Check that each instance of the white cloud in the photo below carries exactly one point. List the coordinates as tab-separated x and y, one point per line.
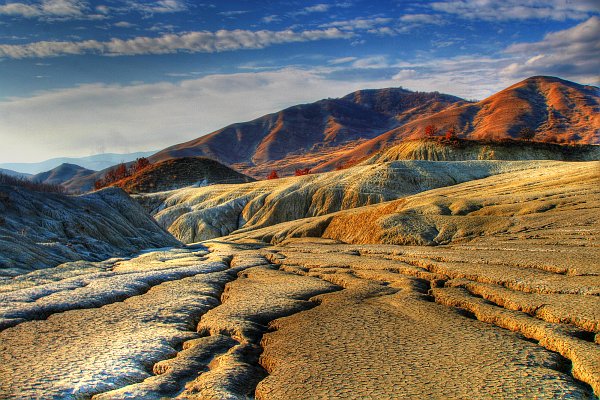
405	74
204	42
572	53
359	23
124	24
102	9
157	7
20	9
504	10
342	60
320	8
233	13
46	8
51	10
270	18
373	62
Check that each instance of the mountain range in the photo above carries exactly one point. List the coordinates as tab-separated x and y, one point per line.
95	162
334	133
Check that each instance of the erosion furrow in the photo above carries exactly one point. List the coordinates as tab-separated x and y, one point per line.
584	355
248	303
120	345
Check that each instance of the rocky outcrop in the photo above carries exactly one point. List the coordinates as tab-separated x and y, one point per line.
40	230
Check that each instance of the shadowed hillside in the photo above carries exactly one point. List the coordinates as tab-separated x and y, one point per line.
178	173
61	174
41	230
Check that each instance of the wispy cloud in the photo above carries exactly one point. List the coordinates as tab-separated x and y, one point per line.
359	23
372	62
157	7
124	24
504	10
193	42
50	9
321	8
342	60
270	18
572	52
233	13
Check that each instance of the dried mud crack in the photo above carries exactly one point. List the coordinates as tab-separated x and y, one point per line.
398	316
223	362
313	319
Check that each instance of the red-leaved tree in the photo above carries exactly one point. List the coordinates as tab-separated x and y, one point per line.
273	175
300	172
430	131
451	134
139	165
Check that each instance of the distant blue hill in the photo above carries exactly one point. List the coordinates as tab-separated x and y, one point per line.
13	173
96	162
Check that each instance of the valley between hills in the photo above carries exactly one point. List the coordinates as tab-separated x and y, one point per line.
391	265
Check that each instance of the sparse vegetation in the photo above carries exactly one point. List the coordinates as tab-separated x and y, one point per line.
36	186
300	172
430	131
526	133
121	172
450	134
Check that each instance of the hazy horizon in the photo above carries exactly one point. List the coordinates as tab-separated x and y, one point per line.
89	77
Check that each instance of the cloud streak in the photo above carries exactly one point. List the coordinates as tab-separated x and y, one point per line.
505	10
192	42
50	9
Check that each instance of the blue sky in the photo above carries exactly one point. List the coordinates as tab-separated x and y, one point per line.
82	77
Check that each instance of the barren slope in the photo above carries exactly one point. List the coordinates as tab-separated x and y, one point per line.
41	230
464	149
362	123
195	214
311	128
550	194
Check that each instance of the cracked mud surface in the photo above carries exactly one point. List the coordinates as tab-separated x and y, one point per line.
308	319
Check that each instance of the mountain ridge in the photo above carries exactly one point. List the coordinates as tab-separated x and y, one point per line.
366	121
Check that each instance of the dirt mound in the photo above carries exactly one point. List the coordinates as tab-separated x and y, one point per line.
195	214
41	230
180	172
